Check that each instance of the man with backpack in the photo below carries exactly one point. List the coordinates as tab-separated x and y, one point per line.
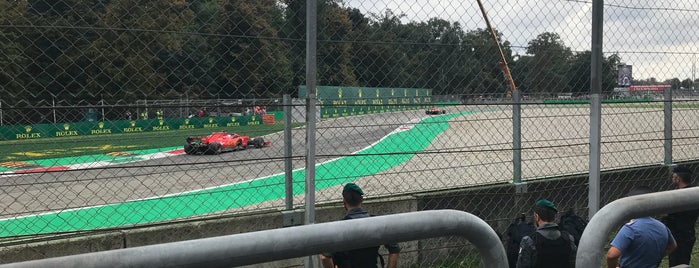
549	246
682	224
517	230
352	199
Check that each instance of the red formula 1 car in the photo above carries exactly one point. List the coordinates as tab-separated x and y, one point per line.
221	141
435	110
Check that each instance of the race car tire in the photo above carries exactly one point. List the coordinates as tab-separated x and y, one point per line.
189	149
240	145
444	111
258	142
214	148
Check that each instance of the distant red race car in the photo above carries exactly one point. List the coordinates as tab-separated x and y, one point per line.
221	141
435	110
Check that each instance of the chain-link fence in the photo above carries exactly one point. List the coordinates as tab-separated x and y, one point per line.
98	98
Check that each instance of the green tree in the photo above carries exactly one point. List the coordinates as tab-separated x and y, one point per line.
13	76
488	77
673	82
252	58
378	56
334	55
191	72
295	30
125	63
549	64
686	83
609	73
57	49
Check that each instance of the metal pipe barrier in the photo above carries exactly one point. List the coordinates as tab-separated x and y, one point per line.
292	242
619	211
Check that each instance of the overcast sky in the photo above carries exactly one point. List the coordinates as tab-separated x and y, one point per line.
659	38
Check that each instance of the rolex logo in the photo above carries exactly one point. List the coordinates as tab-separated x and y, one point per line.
417	93
360	93
160	122
232	119
339	93
393	92
377	92
100	124
133	123
186	121
66	127
405	92
28	129
211	120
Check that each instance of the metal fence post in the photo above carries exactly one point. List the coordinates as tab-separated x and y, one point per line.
516	136
311	72
595	107
667	112
288	179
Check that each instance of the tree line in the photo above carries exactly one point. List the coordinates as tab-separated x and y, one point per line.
120	51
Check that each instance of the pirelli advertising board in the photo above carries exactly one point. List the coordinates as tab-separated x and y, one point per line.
347	101
24	132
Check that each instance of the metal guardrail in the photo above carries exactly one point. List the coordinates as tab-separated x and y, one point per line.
617	212
299	241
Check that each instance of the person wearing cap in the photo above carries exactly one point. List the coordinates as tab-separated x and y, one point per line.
641	242
548	246
352	199
682	223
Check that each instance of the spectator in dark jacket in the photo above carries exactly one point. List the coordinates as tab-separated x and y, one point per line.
682	223
352	198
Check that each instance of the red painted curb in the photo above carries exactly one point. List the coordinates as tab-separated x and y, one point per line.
41	170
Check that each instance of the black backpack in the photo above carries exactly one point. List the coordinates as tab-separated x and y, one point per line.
572	224
517	230
554	253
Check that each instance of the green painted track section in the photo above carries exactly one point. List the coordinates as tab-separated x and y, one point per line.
387	153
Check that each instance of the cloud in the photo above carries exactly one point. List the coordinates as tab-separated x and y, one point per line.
658	38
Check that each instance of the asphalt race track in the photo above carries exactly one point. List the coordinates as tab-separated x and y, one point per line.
181	173
474	149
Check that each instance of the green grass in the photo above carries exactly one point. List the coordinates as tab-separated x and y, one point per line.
37	149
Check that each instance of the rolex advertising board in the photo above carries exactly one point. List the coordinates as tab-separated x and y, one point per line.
75	129
347	101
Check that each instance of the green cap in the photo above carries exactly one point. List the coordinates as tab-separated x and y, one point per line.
353	187
546	203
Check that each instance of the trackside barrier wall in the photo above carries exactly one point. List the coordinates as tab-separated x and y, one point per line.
617	212
336	101
512	200
25	132
285	243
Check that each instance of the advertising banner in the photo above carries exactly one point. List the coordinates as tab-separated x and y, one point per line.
75	129
348	101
